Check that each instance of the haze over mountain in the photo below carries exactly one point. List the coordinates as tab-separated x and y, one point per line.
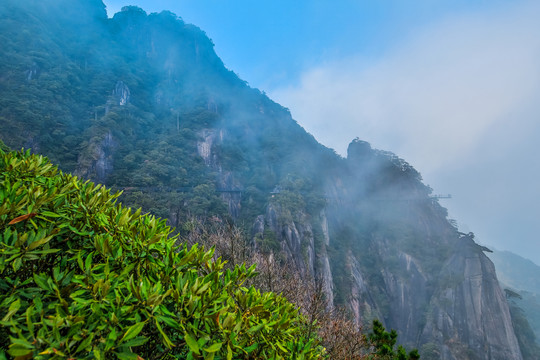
521	280
141	102
449	85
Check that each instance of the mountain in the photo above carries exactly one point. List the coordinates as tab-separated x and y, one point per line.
142	103
516	272
520	278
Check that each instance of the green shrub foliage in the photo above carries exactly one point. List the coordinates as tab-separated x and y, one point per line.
83	277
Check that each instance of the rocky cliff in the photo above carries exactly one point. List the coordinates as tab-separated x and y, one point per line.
394	256
141	102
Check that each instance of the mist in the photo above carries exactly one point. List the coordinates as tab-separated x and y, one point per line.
450	88
458	100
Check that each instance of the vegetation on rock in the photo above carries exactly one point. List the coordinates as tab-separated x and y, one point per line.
385	342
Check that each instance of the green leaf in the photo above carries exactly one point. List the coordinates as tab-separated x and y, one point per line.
132	331
251	348
214	347
138	341
38	303
49	214
256	328
35	244
170	322
45	252
192	343
86	343
98	355
13	308
127	356
82	233
29	322
18	350
79	260
88	263
21	341
17	263
280	346
166	339
203	288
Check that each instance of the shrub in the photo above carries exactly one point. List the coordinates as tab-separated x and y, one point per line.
83	277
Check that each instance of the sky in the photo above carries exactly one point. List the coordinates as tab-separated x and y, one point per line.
453	87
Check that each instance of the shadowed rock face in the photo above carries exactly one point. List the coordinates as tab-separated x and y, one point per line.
172	117
393	255
471	309
97	163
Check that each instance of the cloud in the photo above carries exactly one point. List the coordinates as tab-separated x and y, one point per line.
432	98
460	101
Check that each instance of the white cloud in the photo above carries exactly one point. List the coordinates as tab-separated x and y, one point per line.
431	99
460	101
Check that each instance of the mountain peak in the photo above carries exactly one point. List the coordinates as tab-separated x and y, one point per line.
358	149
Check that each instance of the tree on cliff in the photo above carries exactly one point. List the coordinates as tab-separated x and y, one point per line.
384	343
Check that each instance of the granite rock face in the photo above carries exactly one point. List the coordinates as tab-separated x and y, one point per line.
471	308
389	252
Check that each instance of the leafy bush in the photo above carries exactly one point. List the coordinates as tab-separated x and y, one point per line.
84	277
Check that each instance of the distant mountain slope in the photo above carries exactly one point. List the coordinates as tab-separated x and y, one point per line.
516	271
522	276
142	103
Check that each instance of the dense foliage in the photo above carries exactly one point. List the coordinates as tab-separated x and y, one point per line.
84	277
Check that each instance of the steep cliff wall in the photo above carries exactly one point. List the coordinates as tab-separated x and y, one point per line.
389	252
469	308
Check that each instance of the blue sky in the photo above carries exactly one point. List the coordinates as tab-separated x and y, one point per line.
453	87
271	42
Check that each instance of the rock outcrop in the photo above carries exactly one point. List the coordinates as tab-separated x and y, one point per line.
469	308
96	162
389	252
